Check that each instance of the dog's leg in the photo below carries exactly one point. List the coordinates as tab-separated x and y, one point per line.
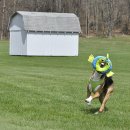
97	91
102	96
106	97
89	92
95	95
91	97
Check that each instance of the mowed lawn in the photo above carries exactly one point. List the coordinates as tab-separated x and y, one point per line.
47	93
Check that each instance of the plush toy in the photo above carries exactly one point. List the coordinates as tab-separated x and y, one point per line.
102	69
101	64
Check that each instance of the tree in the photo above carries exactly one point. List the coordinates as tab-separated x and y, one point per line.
108	16
97	17
2	20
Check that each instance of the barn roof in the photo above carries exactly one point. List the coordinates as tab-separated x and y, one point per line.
44	21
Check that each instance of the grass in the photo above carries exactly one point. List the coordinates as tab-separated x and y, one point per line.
47	93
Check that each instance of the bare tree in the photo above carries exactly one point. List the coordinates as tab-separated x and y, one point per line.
2	20
85	4
58	4
97	17
108	16
14	2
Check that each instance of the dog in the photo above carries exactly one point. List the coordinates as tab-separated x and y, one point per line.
100	83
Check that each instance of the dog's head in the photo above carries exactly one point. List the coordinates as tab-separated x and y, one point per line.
101	64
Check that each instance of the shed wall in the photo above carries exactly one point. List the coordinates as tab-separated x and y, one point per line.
18	44
53	44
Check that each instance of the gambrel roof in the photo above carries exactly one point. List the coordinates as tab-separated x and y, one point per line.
44	21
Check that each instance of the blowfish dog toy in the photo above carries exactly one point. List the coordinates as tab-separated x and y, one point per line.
102	70
101	64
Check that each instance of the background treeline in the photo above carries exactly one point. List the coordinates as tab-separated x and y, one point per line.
97	17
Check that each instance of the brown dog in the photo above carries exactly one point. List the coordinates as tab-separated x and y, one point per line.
100	83
102	91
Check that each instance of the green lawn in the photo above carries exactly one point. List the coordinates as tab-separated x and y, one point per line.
47	93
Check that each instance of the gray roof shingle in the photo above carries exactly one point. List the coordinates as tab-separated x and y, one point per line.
43	21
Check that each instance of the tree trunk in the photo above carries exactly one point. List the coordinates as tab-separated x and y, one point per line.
2	21
14	10
110	19
87	18
97	17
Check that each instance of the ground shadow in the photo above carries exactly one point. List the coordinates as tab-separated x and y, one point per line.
91	110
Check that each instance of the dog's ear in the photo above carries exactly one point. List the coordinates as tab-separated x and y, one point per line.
91	58
109	74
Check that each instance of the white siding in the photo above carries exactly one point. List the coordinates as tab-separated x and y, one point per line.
52	44
24	42
18	45
37	45
65	45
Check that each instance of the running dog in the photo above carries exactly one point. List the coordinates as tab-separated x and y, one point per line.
100	84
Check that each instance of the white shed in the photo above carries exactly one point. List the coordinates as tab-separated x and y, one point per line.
44	34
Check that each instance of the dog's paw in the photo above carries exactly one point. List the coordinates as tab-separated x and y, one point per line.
88	100
89	103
